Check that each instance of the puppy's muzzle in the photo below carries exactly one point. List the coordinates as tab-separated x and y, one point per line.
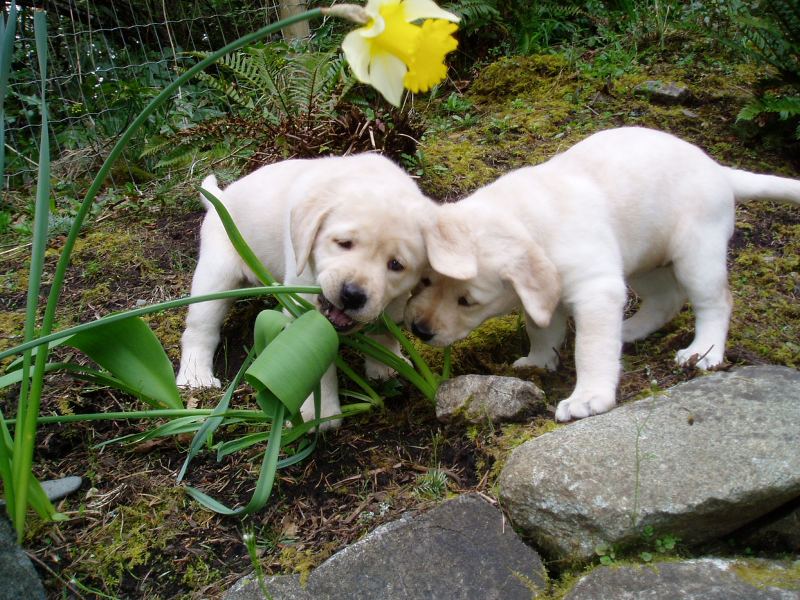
422	331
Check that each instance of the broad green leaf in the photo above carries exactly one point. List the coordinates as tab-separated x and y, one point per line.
130	351
268	325
291	366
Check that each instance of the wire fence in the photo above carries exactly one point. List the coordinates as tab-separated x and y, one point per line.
107	60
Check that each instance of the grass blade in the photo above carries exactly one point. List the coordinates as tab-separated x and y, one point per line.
161	306
8	30
249	257
214	420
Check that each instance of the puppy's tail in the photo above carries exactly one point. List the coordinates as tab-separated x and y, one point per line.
752	186
210	184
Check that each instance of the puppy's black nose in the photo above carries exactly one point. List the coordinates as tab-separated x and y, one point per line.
421	330
352	296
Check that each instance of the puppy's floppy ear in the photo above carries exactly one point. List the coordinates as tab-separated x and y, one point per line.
305	219
535	280
450	247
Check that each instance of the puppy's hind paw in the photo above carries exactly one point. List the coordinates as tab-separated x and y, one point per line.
691	357
580	406
548	361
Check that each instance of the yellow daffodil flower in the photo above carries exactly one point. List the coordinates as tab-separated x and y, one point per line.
392	52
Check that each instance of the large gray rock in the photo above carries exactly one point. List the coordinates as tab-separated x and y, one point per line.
492	398
697	462
282	587
462	549
18	578
704	579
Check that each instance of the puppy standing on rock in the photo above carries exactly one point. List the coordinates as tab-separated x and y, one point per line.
562	238
351	225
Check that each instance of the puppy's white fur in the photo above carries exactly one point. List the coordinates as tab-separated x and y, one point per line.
341	221
562	238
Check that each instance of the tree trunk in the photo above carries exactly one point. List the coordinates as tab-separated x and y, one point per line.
288	8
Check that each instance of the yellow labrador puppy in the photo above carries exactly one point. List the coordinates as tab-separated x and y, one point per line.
563	237
349	224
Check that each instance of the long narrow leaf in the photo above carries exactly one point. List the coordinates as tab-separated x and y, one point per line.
161	306
249	257
214	420
8	30
266	476
81	371
30	398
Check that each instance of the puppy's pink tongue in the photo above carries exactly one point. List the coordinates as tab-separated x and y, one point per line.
336	316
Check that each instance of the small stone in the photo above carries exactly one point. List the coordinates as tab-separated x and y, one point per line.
61	488
55	489
662	92
488	398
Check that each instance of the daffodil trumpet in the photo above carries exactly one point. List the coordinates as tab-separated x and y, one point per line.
391	51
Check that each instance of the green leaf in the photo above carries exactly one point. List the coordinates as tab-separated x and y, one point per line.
214	420
291	366
266	477
132	353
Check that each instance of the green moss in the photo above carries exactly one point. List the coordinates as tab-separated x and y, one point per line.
12	325
133	538
517	77
303	561
762	574
100	252
460	166
96	295
168	327
199	575
766	316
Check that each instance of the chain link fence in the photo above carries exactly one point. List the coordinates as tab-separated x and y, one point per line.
107	59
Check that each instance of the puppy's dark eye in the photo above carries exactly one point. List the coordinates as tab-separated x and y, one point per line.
462	301
395	265
425	282
344	244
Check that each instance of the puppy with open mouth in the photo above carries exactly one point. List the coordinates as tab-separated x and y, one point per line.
351	225
627	205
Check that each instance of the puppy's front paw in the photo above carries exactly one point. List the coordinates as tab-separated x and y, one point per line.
582	405
197	380
545	360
